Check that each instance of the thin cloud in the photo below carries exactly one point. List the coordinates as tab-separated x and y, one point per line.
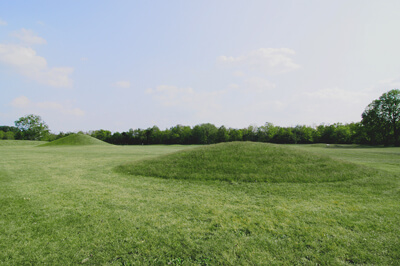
253	85
171	95
202	103
3	23
28	63
28	37
23	102
124	84
257	84
268	61
337	94
391	83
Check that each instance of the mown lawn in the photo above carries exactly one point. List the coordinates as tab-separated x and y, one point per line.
68	205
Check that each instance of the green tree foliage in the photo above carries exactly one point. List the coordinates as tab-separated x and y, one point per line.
9	135
204	134
156	136
284	135
222	134
101	134
209	134
250	133
180	135
32	127
365	132
10	132
342	133
381	119
357	132
267	132
303	134
235	134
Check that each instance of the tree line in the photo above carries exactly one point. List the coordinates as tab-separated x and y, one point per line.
380	125
209	134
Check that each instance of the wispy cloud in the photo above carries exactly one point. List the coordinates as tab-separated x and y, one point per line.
338	95
257	84
23	102
124	84
28	37
2	22
202	103
252	85
28	63
172	95
23	58
391	83
268	61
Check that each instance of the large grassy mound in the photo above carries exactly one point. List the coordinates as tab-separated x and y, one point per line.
247	162
75	140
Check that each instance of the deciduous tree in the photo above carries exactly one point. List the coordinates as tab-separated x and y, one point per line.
381	119
32	127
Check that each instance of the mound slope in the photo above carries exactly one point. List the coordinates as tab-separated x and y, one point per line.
76	140
247	162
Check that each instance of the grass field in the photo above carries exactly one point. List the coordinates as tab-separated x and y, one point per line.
69	205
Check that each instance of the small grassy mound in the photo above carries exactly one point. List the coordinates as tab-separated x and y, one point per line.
247	162
75	140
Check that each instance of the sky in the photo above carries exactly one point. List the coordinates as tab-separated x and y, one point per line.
117	65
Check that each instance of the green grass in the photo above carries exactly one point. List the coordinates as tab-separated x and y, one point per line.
382	158
66	205
75	140
248	162
20	143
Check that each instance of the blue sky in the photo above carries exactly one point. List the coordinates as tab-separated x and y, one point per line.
116	65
